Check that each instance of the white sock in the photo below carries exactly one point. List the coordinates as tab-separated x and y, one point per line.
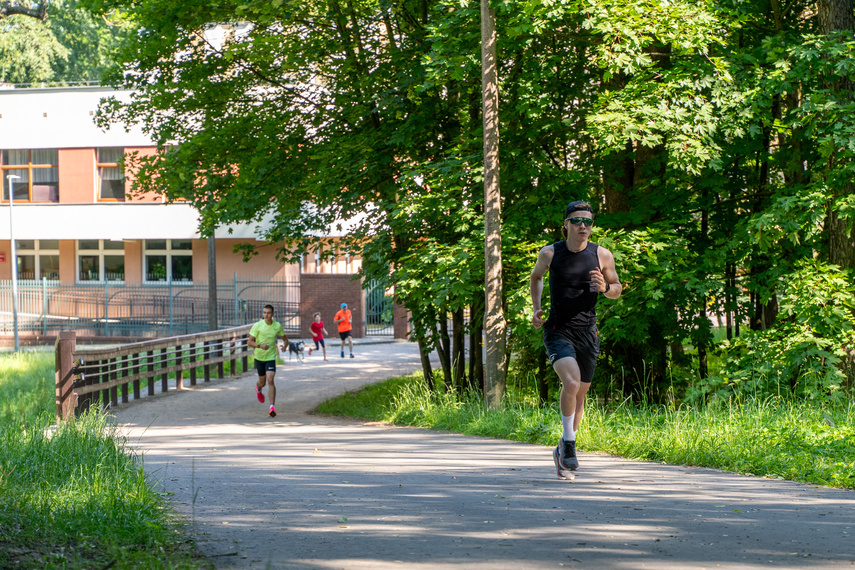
567	422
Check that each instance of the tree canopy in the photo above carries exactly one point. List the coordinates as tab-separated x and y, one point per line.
58	43
714	136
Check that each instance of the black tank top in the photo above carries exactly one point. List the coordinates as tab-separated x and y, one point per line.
573	296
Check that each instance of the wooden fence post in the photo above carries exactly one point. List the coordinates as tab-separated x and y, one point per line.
66	401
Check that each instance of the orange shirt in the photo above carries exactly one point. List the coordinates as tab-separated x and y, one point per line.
344	325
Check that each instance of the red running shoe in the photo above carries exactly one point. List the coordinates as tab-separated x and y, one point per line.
259	395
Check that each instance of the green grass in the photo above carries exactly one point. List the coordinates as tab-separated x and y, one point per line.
26	385
75	496
789	440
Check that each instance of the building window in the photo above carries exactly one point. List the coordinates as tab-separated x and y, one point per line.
111	183
100	260
38	259
168	260
38	171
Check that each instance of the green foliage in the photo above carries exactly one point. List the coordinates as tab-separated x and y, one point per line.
805	355
29	51
71	46
714	138
659	104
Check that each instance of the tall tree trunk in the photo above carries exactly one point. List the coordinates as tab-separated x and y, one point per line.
427	369
618	174
444	350
476	334
495	372
832	16
766	313
458	351
729	297
702	343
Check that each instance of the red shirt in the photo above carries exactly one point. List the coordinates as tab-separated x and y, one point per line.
317	330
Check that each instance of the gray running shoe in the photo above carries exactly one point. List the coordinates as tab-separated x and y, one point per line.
567	455
562	473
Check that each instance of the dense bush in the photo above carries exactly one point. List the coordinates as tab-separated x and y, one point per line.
809	351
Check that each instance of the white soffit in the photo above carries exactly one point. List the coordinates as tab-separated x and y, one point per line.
115	221
61	117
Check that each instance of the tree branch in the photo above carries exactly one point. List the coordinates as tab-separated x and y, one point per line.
9	8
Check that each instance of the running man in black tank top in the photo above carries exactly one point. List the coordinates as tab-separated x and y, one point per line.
579	272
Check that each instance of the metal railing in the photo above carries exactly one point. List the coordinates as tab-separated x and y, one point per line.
142	309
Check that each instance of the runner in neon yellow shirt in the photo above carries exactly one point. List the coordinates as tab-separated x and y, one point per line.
262	337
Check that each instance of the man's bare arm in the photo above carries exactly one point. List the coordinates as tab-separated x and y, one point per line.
544	259
610	276
253	344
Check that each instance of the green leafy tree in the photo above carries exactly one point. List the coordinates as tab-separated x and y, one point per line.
708	134
29	51
69	45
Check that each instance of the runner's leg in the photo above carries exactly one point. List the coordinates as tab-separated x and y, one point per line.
271	391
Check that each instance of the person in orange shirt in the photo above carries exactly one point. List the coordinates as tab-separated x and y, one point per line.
343	319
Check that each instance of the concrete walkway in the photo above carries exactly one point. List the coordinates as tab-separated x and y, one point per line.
308	491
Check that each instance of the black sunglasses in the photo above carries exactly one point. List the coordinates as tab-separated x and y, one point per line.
580	221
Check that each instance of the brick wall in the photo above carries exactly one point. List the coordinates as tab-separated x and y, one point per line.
324	293
401	322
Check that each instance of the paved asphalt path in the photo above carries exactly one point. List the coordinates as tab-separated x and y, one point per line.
316	492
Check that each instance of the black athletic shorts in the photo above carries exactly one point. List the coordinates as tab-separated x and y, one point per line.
581	344
345	334
265	366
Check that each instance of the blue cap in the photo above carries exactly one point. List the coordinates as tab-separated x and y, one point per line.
343	305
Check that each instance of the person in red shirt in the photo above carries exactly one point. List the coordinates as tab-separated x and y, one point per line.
318	332
343	319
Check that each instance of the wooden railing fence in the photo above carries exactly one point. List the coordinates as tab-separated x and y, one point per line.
100	376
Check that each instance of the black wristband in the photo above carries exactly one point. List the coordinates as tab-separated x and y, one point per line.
608	288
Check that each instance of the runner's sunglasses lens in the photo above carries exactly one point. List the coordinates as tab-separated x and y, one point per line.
580	221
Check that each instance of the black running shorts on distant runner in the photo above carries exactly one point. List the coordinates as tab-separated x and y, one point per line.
265	366
581	344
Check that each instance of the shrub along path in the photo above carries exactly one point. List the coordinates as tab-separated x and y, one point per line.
309	491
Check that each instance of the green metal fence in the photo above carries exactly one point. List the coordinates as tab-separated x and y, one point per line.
144	310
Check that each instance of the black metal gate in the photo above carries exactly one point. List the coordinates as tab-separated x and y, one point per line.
378	311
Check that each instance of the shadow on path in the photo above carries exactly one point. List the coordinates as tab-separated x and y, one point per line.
307	491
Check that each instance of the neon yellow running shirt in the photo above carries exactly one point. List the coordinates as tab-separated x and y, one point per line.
265	333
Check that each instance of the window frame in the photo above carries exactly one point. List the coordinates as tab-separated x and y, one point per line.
100	253
169	253
98	175
37	252
29	167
